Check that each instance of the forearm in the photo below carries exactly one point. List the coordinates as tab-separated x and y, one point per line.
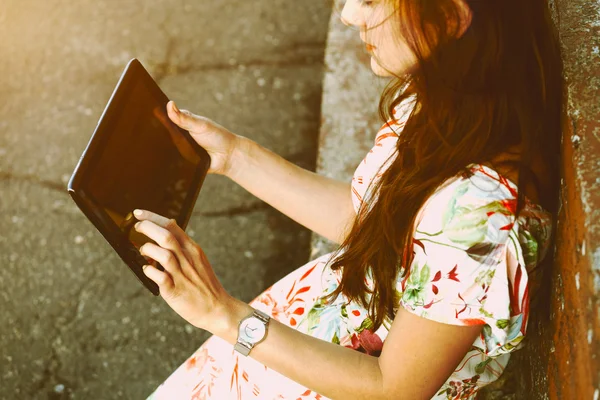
321	204
326	368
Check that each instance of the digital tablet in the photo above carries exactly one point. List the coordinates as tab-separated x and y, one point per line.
137	158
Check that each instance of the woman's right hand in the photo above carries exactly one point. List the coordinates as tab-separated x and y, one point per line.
219	142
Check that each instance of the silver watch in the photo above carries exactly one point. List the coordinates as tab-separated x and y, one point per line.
251	331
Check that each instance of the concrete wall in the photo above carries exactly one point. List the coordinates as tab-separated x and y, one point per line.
74	322
560	360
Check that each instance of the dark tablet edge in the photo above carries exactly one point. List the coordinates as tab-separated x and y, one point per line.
125	250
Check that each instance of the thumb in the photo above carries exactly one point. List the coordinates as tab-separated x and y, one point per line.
182	118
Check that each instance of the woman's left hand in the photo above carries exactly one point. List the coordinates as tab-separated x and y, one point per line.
188	284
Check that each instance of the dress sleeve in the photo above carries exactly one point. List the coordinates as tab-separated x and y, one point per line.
460	270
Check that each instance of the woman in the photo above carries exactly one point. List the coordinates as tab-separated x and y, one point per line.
441	230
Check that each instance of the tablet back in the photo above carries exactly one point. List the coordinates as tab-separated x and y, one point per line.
137	158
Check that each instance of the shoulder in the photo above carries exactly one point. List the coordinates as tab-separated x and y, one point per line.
459	249
478	184
461	272
478	206
394	126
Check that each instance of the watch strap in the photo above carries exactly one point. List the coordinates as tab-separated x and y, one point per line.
242	348
262	316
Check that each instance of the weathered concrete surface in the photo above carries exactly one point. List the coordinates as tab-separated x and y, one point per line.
74	323
562	362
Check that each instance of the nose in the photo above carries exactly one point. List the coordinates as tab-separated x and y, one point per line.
350	15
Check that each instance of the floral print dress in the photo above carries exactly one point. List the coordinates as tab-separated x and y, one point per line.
474	263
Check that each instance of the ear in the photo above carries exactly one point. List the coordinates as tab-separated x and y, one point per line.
465	15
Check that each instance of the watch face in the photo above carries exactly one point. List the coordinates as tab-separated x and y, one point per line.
252	330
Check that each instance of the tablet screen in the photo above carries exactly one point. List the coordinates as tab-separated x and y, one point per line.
145	163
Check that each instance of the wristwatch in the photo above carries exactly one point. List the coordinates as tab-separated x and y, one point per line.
251	331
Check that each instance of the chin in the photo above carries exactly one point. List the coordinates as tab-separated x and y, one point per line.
378	70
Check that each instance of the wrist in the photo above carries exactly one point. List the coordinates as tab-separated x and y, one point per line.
239	157
226	324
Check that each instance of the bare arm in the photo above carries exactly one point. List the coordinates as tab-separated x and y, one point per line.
322	204
417	357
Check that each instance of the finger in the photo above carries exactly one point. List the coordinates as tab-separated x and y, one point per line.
183	118
168	234
166	258
162	279
163	227
162	236
171	226
174	114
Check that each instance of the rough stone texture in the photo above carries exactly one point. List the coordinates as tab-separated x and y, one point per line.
560	360
349	118
74	323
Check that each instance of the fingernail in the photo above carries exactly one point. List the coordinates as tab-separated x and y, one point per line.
137	212
175	108
137	225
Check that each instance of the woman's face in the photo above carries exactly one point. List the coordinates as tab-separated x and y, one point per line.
378	29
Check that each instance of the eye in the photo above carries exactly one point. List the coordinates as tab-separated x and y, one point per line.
366	3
